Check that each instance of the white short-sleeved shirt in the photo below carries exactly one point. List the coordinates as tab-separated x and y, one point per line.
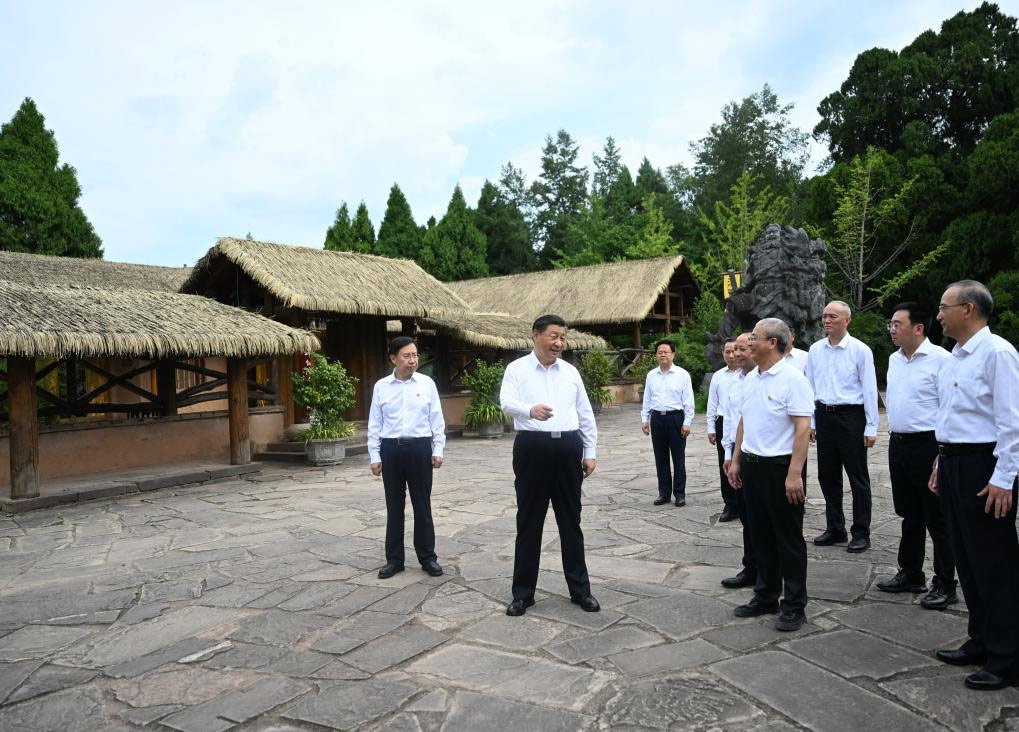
770	400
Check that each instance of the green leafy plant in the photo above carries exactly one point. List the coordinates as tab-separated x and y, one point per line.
484	383
327	390
597	371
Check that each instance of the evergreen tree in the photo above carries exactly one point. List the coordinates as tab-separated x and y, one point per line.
39	209
559	194
457	244
509	239
650	181
607	168
362	232
338	238
655	235
621	200
399	236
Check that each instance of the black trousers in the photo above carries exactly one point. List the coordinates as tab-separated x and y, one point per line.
777	529
910	460
728	493
840	445
749	562
667	439
548	469
987	558
408	467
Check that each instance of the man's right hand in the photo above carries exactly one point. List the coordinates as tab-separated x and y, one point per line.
376	469
733	475
646	428
813	436
711	438
541	412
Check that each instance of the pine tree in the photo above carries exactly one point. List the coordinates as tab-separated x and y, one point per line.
607	168
399	236
559	194
39	209
509	240
338	238
459	246
362	232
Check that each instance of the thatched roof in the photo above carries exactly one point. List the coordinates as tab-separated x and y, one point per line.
333	282
504	332
42	270
617	292
62	321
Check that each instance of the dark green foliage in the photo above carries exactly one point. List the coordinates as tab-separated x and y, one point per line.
484	383
399	236
454	249
39	211
338	236
1005	290
597	371
509	248
607	168
872	329
327	390
362	232
559	196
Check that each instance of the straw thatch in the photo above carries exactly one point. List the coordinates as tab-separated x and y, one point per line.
617	292
333	282
504	332
44	271
83	321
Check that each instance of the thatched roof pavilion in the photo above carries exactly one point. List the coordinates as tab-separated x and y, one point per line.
503	332
649	294
44	270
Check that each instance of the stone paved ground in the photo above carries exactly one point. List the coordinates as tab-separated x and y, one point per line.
254	605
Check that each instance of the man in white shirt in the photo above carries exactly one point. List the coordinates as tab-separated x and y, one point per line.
795	356
406	435
554	450
767	463
840	370
718	392
666	415
912	401
977	429
747	576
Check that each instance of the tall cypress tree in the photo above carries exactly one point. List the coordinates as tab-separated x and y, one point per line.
560	194
338	237
607	167
399	236
509	240
39	209
459	246
362	232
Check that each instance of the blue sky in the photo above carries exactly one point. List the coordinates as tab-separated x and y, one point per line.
191	120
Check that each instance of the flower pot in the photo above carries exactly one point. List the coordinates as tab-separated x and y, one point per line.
325	452
596	406
491	429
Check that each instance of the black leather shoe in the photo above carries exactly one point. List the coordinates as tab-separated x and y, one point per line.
587	604
680	502
661	501
727	514
857	545
940	596
790	620
960	657
901	583
389	570
754	608
432	567
984	680
829	537
743	579
519	607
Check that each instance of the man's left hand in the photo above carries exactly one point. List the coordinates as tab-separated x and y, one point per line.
588	464
869	441
685	431
998	498
794	489
436	461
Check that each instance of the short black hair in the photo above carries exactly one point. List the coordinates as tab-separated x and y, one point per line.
398	344
730	339
665	342
919	314
976	293
541	323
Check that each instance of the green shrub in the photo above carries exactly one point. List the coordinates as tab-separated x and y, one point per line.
327	390
872	329
484	384
597	371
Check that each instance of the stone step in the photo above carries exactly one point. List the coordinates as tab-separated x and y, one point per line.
285	447
280	456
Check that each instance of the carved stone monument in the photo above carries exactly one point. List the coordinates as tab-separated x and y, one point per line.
783	280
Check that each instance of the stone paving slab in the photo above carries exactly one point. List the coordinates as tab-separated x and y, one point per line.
851	653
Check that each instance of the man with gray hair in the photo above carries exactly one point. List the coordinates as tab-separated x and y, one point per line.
840	370
977	429
767	463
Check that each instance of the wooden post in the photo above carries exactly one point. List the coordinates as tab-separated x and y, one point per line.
668	312
286	388
407	327
636	335
71	371
24	427
166	386
237	387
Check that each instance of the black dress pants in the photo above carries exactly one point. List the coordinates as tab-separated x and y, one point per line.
667	439
840	445
986	555
910	460
777	529
548	469
728	493
407	466
749	563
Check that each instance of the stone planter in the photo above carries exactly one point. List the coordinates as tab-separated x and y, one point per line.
596	406
325	452
491	430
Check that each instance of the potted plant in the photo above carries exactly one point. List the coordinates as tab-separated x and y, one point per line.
597	371
327	390
484	412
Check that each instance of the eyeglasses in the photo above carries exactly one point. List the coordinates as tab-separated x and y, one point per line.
943	307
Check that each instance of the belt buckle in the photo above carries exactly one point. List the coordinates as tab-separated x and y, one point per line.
663	412
556	435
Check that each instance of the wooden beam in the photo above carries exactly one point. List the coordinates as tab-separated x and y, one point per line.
668	312
286	388
237	386
636	335
24	427
166	386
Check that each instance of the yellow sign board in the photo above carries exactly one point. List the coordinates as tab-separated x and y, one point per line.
731	280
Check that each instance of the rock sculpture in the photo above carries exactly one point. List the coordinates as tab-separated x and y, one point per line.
783	280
